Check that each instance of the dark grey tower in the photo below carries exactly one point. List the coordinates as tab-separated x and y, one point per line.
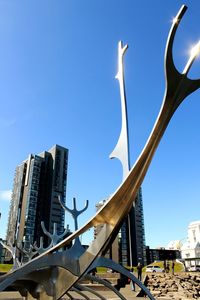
38	182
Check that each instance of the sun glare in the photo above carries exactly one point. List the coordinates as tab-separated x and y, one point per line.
195	50
175	20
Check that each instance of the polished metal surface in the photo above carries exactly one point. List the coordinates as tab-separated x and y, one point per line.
121	150
112	214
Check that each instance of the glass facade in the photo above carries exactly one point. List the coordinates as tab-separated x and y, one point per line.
37	184
132	247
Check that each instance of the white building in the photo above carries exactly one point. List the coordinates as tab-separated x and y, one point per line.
174	245
190	251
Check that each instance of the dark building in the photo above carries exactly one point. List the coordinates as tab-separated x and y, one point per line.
2	252
38	182
132	248
161	254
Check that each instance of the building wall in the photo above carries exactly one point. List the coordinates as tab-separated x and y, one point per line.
161	255
60	163
132	247
194	232
190	251
2	252
37	184
16	203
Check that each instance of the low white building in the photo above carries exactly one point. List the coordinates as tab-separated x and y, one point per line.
190	251
174	245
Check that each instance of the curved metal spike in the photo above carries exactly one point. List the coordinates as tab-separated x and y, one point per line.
170	68
178	85
121	150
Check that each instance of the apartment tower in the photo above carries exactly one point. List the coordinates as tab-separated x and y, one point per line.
38	182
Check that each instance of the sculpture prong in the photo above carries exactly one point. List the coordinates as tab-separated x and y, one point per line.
74	212
178	85
55	237
121	150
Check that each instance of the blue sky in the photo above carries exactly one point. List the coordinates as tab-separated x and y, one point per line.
58	61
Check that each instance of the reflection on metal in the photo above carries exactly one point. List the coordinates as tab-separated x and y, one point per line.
67	266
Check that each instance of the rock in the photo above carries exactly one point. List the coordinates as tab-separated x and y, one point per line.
180	286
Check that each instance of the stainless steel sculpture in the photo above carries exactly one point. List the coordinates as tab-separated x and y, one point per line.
56	274
12	249
121	150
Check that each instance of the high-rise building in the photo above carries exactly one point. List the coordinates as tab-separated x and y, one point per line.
132	247
38	182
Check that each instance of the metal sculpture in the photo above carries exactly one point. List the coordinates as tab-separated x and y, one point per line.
74	212
29	253
55	237
121	150
12	248
58	274
40	249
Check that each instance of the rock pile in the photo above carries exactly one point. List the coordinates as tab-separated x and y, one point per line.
179	286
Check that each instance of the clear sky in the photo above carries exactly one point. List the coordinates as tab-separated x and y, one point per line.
58	61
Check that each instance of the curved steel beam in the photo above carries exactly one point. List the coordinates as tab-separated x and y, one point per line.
90	290
105	283
70	296
108	263
74	289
